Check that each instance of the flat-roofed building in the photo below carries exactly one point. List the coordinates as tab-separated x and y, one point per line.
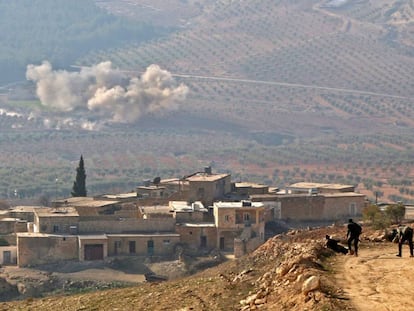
247	188
244	221
61	220
207	187
42	248
314	188
188	212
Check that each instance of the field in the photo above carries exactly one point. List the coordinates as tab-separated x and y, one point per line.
279	92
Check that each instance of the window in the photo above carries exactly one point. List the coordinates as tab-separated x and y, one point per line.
55	228
166	241
226	218
246	216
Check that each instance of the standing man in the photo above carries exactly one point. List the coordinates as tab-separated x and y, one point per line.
402	234
354	231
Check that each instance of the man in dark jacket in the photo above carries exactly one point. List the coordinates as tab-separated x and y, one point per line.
334	245
354	231
402	234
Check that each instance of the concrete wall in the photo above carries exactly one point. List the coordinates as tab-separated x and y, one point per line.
225	218
192	236
320	207
194	216
10	238
12	226
234	218
228	238
343	207
28	216
121	225
163	244
302	207
7	226
59	225
35	250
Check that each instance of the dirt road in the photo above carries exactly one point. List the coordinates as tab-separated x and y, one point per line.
377	279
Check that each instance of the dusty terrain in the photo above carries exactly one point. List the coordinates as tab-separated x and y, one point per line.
271	278
377	279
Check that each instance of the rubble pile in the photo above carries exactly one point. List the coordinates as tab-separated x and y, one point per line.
293	273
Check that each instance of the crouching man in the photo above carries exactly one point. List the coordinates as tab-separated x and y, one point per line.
401	235
335	246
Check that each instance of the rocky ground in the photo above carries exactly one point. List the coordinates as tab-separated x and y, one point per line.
73	277
293	271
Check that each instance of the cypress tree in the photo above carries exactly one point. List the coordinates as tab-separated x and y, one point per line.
79	185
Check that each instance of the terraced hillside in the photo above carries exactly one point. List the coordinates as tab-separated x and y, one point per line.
336	75
279	91
284	63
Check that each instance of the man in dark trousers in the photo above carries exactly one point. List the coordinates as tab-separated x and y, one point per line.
334	245
354	231
402	234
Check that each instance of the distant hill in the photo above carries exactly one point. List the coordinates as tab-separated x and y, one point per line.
279	91
59	31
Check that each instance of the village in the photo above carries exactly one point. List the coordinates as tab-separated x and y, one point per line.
199	213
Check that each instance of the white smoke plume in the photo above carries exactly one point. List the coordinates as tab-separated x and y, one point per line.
106	91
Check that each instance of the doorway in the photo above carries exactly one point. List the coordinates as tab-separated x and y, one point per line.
94	252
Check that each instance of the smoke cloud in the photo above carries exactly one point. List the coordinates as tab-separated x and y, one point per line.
107	92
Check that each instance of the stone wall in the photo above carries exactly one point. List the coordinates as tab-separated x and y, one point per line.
56	224
227	238
142	245
192	216
123	225
302	207
343	207
192	236
8	226
42	249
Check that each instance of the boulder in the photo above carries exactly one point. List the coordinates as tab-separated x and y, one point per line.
310	284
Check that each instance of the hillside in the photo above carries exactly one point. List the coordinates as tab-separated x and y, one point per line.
271	278
278	92
61	32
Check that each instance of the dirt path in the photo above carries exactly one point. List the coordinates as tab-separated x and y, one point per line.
378	280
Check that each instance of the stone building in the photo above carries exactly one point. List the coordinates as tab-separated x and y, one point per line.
303	203
242	220
315	188
40	248
8	255
64	220
208	187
